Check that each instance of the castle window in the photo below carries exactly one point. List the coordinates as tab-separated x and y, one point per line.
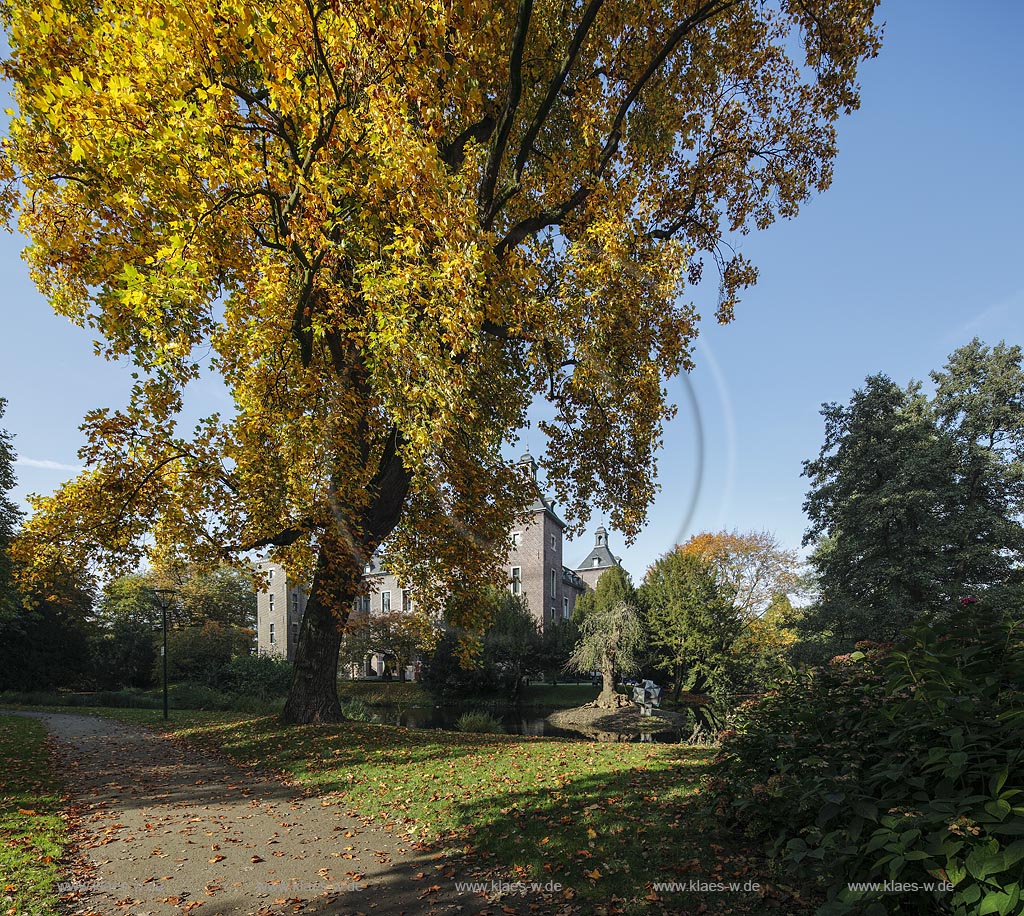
553	586
515	539
407	600
273	637
517	580
552	541
295	634
295	604
565	609
271	599
385	602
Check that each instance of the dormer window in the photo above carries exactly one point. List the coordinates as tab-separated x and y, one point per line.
597	561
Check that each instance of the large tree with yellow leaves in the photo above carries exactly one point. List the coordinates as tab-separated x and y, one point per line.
387	226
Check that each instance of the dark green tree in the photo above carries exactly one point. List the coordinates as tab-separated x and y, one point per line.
878	505
43	632
10	516
44	641
511	651
123	653
557	642
692	626
513	643
979	404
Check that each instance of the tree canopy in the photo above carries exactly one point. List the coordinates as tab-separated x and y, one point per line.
387	228
752	566
915	502
693	623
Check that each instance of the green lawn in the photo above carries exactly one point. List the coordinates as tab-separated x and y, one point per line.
604	820
32	831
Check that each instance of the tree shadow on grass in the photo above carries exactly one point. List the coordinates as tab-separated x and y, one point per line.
615	837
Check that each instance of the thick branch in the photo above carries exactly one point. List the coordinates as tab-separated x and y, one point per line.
485	198
526	147
554	215
454	153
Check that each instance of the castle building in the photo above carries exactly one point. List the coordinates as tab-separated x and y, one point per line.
535	571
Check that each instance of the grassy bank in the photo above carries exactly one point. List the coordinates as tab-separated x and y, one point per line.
32	831
605	821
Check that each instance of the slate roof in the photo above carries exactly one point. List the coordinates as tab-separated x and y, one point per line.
600	552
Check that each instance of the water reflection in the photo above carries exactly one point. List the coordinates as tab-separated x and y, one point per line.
514	721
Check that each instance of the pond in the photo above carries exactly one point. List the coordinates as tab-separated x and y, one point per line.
515	721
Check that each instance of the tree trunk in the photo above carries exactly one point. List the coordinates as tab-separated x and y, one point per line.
313	696
607	697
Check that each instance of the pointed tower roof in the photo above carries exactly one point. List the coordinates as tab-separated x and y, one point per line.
601	554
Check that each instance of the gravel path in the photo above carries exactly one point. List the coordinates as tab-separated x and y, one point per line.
162	828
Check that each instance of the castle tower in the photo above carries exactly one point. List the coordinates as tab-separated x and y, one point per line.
598	560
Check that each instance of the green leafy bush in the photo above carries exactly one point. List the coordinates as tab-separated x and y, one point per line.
897	763
259	676
481	722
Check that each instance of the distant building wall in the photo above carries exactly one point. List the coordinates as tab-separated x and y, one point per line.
535	570
279	611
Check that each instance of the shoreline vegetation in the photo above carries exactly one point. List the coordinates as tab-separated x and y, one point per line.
373	693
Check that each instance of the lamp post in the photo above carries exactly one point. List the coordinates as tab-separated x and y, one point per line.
163	598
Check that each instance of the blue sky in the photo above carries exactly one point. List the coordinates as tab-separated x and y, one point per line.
914	250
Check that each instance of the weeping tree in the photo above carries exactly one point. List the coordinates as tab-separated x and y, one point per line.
386	229
611	634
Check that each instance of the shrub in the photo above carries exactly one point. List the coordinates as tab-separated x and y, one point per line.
481	722
259	676
124	655
202	653
897	763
